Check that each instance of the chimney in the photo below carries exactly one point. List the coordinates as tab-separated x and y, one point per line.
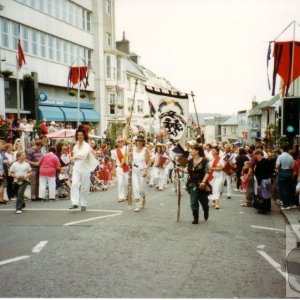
254	104
134	57
123	45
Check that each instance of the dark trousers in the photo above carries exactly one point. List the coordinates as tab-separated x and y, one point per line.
19	191
285	182
197	196
9	187
238	175
34	184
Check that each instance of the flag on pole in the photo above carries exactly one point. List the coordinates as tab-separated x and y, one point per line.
152	109
20	56
172	111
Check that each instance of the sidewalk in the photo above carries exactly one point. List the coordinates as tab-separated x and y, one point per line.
293	218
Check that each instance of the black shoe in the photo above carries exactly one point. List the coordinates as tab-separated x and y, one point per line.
36	199
23	205
53	199
228	197
73	207
206	215
83	208
195	222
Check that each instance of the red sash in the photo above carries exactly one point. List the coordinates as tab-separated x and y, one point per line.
217	159
120	155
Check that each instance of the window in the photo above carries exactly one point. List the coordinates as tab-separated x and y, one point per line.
50	47
4	33
72	54
41	5
25	38
50	7
119	69
58	49
140	106
57	9
33	3
112	103
129	103
71	13
108	39
108	66
108	7
64	10
34	42
15	36
83	19
89	57
66	52
78	16
43	44
128	83
88	21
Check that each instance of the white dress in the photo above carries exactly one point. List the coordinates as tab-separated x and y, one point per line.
217	181
138	169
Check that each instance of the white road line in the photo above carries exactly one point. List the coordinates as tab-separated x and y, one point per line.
38	248
62	209
267	228
8	261
273	263
92	219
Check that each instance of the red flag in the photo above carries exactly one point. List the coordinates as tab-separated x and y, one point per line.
21	56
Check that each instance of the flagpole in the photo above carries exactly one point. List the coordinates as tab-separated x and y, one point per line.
78	94
293	57
18	88
199	128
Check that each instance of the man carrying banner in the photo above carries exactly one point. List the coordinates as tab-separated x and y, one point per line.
120	168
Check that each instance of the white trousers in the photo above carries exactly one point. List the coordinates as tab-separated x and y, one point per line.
122	183
80	188
159	174
50	181
138	184
228	179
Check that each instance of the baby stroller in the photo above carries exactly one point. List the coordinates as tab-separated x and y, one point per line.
63	190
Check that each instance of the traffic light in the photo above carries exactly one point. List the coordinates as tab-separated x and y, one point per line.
290	117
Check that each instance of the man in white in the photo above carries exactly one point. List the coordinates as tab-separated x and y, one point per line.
229	158
208	152
120	168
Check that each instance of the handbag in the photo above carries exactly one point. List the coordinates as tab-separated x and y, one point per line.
91	163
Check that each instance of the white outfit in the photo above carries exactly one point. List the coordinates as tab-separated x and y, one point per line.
217	181
228	178
20	169
122	177
151	169
159	172
80	176
43	182
138	168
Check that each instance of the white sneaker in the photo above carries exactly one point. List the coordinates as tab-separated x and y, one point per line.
294	206
18	211
236	190
286	208
137	209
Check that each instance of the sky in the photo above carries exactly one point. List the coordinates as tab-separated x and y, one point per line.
215	48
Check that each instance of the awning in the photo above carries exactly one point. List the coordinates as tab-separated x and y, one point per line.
51	113
90	115
71	114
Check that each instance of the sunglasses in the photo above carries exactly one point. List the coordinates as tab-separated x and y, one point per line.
120	141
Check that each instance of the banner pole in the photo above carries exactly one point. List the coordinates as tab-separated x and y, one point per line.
199	128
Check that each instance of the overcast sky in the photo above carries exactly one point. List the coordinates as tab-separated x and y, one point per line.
215	48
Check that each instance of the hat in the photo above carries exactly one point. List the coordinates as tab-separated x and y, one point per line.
52	123
140	138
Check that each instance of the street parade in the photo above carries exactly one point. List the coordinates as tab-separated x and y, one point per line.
150	149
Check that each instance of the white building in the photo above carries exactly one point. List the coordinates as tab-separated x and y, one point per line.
56	35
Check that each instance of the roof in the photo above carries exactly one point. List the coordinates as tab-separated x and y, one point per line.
271	102
257	109
233	120
132	68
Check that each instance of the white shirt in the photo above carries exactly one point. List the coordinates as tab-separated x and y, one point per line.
81	156
20	169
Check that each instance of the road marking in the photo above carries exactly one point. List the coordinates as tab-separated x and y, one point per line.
38	248
63	209
91	219
267	228
273	263
259	247
4	262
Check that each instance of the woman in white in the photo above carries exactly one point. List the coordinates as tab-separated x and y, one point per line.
140	161
160	162
216	178
81	171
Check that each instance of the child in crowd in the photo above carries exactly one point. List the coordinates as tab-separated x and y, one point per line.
63	178
244	177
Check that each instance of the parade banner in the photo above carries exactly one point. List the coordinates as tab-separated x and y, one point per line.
172	111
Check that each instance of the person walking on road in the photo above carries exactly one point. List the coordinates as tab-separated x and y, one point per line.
229	167
197	182
120	168
81	170
140	164
216	177
20	170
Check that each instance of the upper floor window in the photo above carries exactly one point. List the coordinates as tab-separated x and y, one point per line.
119	69
34	42
108	67
108	7
4	33
108	39
140	106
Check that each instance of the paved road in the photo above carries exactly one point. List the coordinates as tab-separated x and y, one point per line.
110	252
